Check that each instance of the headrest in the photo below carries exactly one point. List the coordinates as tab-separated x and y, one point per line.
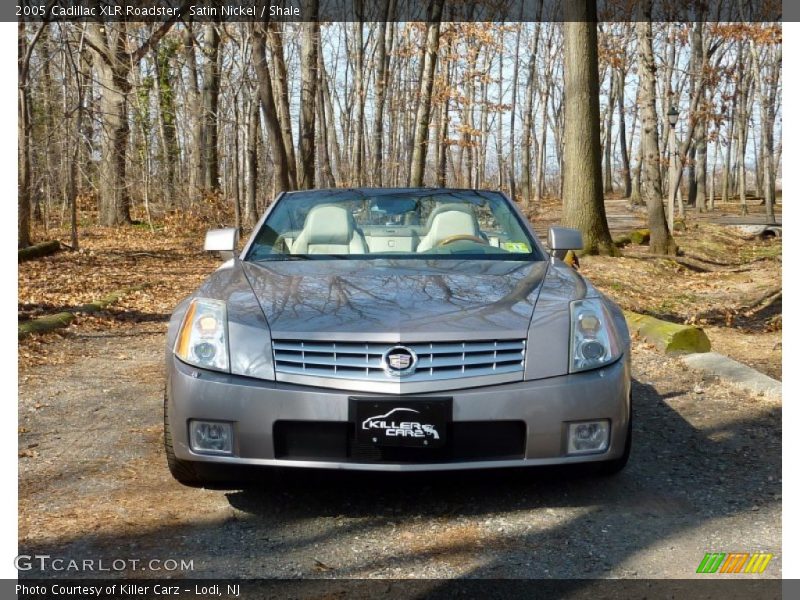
453	206
328	224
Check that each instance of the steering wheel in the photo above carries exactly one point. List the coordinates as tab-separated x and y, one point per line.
461	237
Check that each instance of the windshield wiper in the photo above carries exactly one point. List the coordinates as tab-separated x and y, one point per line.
300	257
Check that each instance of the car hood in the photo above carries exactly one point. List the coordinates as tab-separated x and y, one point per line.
385	300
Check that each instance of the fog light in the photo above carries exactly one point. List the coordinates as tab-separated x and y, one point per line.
588	436
211	436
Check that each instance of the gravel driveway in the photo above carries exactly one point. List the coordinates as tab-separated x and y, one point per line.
704	476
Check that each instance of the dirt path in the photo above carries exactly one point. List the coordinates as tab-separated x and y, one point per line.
704	476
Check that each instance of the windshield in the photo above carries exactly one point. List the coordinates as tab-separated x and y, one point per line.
359	224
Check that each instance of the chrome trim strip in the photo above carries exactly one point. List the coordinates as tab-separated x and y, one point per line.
409	385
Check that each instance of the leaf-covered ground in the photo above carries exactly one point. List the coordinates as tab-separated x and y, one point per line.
724	282
169	263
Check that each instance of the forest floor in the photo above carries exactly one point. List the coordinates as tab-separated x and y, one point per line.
704	476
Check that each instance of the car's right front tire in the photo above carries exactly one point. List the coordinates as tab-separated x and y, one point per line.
202	474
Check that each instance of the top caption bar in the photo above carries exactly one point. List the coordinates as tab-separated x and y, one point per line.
397	10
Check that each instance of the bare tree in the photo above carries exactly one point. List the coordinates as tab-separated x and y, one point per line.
210	94
280	95
113	63
767	65
417	174
583	193
281	161
661	241
195	145
308	95
384	42
24	50
251	162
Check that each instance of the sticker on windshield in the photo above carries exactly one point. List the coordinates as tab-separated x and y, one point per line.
515	247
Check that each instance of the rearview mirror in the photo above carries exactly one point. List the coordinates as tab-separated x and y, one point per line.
561	239
223	241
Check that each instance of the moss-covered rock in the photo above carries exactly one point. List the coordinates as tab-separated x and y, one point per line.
622	241
640	236
668	337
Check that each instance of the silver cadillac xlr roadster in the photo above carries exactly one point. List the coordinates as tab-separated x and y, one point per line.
395	330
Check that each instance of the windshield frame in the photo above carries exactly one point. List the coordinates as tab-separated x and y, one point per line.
538	252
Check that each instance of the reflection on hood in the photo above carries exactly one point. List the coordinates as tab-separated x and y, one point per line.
416	299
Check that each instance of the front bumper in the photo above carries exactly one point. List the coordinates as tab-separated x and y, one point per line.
543	406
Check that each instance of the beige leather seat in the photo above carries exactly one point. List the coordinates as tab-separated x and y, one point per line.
329	230
446	221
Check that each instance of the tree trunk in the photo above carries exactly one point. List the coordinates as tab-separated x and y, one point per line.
498	113
726	168
250	211
384	42
194	110
512	154
527	133
166	108
113	184
426	88
280	87
541	152
608	182
358	144
583	193
636	183
280	161
697	180
326	169
743	117
444	125
713	178
333	140
623	142
700	165
24	132
308	96
237	188
211	59
661	241
767	96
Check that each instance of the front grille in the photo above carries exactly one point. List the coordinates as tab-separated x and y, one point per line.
364	361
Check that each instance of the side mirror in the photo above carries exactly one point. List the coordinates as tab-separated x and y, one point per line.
561	239
223	241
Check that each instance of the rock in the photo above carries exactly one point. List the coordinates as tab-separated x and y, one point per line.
735	373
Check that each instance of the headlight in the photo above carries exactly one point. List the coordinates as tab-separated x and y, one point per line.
203	338
594	342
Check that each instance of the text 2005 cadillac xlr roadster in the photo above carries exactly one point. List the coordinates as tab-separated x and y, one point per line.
395	330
